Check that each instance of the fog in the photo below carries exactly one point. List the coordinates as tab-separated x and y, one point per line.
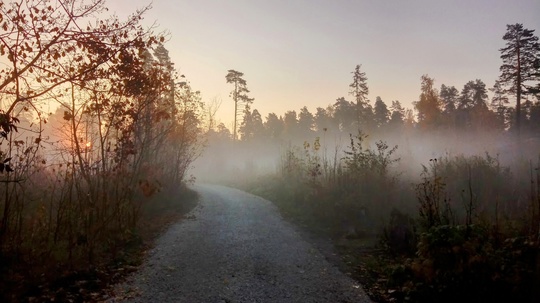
226	161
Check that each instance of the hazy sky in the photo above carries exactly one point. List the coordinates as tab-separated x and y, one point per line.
302	52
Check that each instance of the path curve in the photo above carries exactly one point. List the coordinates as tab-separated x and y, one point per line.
235	247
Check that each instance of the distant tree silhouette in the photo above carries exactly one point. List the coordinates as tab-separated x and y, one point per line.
305	121
290	121
449	96
273	126
359	90
381	113
239	95
397	115
252	125
223	132
429	106
474	101
520	68
533	124
499	103
473	95
345	115
323	120
246	127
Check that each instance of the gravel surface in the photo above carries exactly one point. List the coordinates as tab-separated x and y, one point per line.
235	247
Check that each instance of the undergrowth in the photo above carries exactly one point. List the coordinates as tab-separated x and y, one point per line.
466	230
53	281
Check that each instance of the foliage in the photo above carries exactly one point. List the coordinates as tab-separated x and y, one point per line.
75	183
429	105
478	259
399	236
337	192
467	243
456	263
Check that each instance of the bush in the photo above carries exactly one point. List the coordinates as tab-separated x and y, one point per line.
460	264
399	235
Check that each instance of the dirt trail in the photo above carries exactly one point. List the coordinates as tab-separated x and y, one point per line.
235	247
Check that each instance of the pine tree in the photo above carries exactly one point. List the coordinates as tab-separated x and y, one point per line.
239	95
449	97
344	114
498	104
520	69
305	121
429	106
359	90
473	95
273	126
381	113
322	119
398	113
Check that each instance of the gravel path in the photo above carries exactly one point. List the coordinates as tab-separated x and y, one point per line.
235	247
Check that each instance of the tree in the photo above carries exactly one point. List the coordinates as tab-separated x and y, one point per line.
520	68
473	95
246	127
252	125
116	101
344	114
163	61
381	113
305	121
239	95
429	106
472	109
449	97
273	126
211	109
499	103
258	125
222	132
359	90
290	124
49	45
322	120
398	114
534	119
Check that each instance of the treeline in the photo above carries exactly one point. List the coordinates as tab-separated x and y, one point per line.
445	109
439	110
94	121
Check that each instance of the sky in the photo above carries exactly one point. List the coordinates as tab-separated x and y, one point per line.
296	53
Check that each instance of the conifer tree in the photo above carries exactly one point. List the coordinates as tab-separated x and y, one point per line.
520	68
239	95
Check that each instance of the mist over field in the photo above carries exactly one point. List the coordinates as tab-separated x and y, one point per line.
223	158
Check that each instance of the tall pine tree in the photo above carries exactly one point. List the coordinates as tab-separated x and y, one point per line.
519	72
239	95
359	90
